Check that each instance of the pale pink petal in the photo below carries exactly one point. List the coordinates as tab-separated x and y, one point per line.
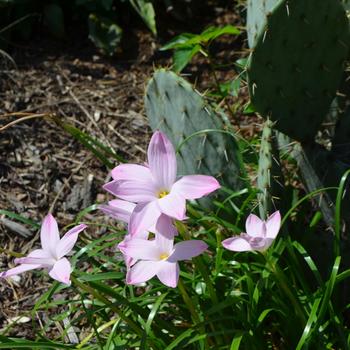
19	269
165	227
35	261
267	244
131	172
49	234
132	191
144	216
195	186
237	244
118	209
162	160
173	205
273	224
168	274
61	271
66	244
186	250
39	253
165	244
140	249
142	271
255	227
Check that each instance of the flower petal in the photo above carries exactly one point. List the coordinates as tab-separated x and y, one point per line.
162	160
131	172
273	224
50	261
187	249
140	249
118	209
237	244
173	205
19	269
165	227
195	186
255	227
168	274
66	244
132	191
144	216
164	244
49	234
61	271
142	271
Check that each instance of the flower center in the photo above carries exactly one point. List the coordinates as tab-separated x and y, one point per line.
162	193
164	256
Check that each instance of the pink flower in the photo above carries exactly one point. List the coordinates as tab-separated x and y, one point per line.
154	187
159	257
260	234
51	256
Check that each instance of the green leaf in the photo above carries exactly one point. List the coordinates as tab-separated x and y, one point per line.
54	19
183	56
145	9
178	42
212	33
104	33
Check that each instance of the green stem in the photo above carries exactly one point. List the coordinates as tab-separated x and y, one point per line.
113	307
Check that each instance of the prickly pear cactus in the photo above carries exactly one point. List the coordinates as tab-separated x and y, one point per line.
270	179
297	64
257	12
174	107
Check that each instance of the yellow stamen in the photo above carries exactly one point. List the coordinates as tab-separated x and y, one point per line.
163	256
162	194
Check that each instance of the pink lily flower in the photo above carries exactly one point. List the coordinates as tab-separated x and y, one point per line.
154	187
51	255
122	210
259	236
159	257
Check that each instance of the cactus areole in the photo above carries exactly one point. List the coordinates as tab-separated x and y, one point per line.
297	64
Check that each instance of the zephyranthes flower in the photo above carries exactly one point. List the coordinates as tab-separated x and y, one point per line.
122	210
259	236
154	187
159	257
51	256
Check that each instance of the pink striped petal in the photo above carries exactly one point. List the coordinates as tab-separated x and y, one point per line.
162	160
140	249
165	227
144	217
169	274
35	261
195	186
237	244
66	244
173	205
131	172
273	224
61	271
118	209
19	269
165	244
255	227
49	234
132	191
142	271
186	250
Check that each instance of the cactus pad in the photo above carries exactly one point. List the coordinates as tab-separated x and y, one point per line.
174	107
297	64
257	12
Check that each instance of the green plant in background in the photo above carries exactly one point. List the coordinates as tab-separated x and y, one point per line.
187	45
294	72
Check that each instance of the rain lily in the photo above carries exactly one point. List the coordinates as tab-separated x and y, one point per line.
52	252
159	257
259	236
154	187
